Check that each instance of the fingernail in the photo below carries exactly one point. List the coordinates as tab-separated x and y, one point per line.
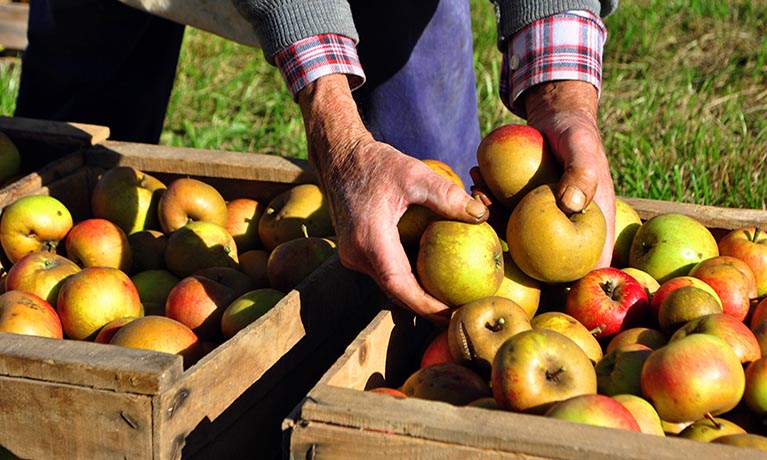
476	209
573	199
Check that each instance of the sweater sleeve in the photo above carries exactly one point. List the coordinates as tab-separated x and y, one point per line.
513	15
281	23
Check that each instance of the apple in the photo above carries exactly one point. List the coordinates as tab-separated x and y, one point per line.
128	197
519	287
670	285
732	279
94	296
514	159
690	377
594	409
237	280
760	332
670	244
458	262
33	223
745	440
607	300
758	314
446	382
147	250
644	414
685	304
388	391
619	371
533	369
153	287
187	200
110	329
647	336
477	329
10	158
627	222
28	314
649	283
242	216
755	393
161	334
748	244
708	428
253	263
437	350
197	245
417	217
292	261
40	273
567	325
301	210
736	333
542	239
99	242
247	308
487	402
199	303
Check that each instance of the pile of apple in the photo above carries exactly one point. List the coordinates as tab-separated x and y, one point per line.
670	340
171	267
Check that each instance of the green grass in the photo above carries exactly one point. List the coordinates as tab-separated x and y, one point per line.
683	110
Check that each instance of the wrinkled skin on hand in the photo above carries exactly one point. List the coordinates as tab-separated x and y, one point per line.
369	185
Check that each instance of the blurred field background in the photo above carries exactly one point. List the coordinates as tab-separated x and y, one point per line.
683	110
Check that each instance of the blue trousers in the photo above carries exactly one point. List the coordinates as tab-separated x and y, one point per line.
101	62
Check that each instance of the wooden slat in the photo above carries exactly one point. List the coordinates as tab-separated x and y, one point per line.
56	132
713	217
13	26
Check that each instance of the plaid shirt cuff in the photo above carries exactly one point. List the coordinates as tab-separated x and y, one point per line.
566	46
317	56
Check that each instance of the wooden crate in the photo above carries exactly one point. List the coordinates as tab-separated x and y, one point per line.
67	399
338	420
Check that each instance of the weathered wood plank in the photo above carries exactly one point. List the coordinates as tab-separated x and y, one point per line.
713	217
53	132
13	26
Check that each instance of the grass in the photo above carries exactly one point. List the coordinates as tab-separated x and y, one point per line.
683	109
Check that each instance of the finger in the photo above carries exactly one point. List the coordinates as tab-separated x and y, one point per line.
452	202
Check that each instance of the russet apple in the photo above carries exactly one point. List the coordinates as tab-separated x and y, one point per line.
28	314
446	382
594	409
690	377
247	308
128	197
162	334
10	158
748	244
94	296
551	246
536	368
514	159
187	200
736	333
199	302
567	325
519	287
607	300
670	244
33	223
672	284
459	262
685	304
644	414
197	245
627	222
477	329
647	336
745	440
99	242
242	216
290	262
732	279
40	273
299	211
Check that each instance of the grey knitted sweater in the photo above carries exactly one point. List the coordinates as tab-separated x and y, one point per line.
278	23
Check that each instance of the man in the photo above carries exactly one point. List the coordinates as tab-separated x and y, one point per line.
379	83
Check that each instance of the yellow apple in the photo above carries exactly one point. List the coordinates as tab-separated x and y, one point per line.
128	197
33	223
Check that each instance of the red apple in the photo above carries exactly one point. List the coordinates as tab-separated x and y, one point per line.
199	302
242	216
737	335
128	197
40	273
98	242
28	314
393	392
33	223
732	279
693	376
110	329
607	300
594	409
748	244
189	200
759	314
94	296
437	351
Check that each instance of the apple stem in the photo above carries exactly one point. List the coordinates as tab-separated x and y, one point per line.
555	375
305	231
497	326
609	288
757	230
49	246
597	330
717	424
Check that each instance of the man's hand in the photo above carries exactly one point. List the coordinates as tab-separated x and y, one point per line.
566	113
369	185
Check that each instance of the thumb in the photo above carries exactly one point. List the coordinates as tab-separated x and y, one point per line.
451	201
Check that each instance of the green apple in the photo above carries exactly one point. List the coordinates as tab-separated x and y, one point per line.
519	287
627	222
708	428
643	412
33	223
10	159
128	197
247	308
154	285
596	410
755	395
619	371
198	245
670	244
459	262
548	244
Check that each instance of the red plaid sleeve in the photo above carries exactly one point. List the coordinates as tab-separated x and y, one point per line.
311	58
566	46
